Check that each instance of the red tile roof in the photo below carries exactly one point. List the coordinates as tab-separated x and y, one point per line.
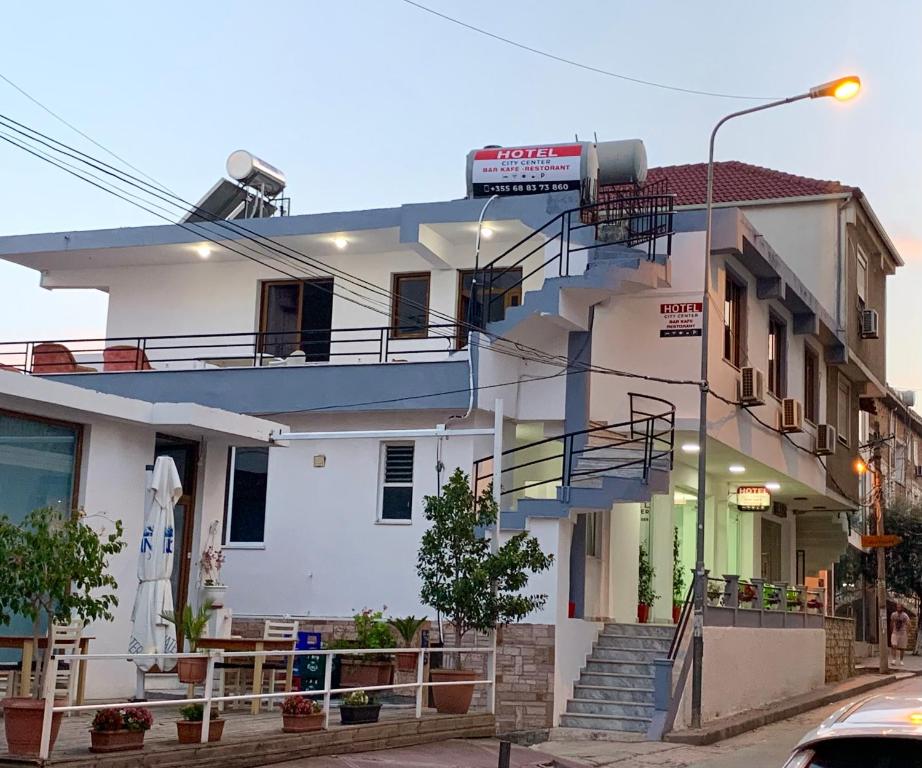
737	182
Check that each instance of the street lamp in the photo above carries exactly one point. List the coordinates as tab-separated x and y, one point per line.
842	89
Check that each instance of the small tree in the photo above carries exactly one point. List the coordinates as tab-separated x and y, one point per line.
904	561
476	589
678	573
53	568
645	574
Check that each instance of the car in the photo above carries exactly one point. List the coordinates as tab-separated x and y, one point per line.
882	731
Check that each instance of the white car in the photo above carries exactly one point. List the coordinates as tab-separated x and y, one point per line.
874	732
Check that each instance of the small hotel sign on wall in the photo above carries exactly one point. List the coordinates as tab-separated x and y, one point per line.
753	498
680	319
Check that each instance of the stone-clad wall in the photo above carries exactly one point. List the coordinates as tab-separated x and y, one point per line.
840	649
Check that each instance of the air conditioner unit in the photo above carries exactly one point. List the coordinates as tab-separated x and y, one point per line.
792	415
752	386
869	324
918	471
825	440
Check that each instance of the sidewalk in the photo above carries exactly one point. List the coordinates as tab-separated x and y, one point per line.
871	664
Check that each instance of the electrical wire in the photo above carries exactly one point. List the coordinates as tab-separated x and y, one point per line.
580	65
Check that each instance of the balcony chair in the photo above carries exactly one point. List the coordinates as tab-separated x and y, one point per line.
125	358
276	669
55	358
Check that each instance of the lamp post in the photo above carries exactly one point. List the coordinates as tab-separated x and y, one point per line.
842	89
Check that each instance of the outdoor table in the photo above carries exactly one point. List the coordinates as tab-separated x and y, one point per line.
26	644
254	644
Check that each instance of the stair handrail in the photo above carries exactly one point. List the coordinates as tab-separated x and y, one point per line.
682	624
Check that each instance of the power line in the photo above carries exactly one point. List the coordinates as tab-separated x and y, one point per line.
580	65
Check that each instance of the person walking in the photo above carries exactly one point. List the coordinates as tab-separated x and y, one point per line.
899	636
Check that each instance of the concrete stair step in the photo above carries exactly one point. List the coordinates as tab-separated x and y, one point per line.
650	643
605	723
616	679
620	653
609	708
613	693
619	667
639	630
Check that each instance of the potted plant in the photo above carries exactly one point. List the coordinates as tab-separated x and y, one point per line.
746	595
119	729
213	589
189	729
770	597
473	587
367	669
678	578
714	594
793	600
301	714
645	593
407	628
194	624
357	708
815	604
53	569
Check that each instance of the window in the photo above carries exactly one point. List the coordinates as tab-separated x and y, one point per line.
861	280
777	354
899	462
734	320
505	291
410	307
811	385
297	315
248	474
843	410
397	482
593	534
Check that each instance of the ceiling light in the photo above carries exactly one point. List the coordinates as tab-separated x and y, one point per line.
691	447
773	486
737	469
203	251
486	233
340	242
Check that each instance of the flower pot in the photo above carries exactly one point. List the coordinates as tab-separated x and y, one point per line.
358	673
406	662
192	670
303	723
643	613
356	715
214	592
676	612
190	731
22	721
116	741
452	699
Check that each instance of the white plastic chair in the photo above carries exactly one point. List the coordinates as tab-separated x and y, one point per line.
275	629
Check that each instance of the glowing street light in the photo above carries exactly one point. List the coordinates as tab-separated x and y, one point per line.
843	89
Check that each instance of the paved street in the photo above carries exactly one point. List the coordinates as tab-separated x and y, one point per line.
765	747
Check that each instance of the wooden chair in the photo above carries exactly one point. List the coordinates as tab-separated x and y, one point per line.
65	642
125	358
55	358
277	669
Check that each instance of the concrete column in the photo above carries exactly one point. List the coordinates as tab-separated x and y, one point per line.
720	536
578	567
624	543
789	549
750	545
661	528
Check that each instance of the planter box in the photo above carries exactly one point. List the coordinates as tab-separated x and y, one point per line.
452	699
214	592
406	662
116	741
190	731
192	670
302	723
354	673
367	713
22	721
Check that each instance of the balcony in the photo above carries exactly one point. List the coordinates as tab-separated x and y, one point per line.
253	372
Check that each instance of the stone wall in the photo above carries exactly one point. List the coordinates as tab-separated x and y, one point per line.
840	648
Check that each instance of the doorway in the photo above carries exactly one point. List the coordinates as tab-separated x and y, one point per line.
297	315
185	455
771	550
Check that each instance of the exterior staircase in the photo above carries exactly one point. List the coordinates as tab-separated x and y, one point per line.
615	689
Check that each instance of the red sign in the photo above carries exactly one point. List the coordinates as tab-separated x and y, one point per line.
680	318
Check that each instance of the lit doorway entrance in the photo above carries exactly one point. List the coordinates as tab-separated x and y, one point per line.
771	550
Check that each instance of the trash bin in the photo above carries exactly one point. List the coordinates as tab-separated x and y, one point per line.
311	668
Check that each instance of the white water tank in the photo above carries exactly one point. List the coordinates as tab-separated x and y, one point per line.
622	162
250	170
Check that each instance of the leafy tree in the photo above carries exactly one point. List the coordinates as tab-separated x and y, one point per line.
475	588
904	561
53	568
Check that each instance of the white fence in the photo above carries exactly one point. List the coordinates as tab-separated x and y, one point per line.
208	698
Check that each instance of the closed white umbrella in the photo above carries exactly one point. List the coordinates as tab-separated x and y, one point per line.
150	632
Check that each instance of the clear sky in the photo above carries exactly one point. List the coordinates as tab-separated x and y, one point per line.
372	103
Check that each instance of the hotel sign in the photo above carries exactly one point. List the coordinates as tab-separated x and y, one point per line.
526	170
680	318
753	498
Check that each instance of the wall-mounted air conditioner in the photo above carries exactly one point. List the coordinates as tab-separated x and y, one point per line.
825	440
752	386
870	322
792	415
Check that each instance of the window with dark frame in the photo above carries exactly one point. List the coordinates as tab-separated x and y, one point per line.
506	284
777	357
734	320
246	496
397	482
297	315
843	410
811	385
861	277
410	305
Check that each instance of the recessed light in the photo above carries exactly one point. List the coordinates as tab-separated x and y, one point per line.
340	242
691	447
772	486
203	251
737	469
486	233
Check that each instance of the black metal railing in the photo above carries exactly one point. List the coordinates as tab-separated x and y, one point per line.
227	350
643	442
639	217
682	624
